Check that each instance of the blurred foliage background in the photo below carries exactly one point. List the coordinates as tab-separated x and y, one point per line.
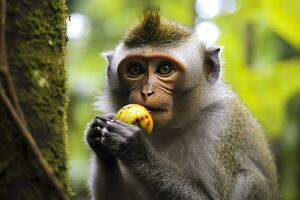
261	40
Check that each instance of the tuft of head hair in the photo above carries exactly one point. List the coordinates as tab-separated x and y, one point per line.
154	31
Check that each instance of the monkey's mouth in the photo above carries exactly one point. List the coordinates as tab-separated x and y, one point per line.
155	109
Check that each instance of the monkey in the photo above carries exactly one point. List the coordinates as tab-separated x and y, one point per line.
205	145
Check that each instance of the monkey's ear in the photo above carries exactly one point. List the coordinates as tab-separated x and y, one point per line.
108	55
212	64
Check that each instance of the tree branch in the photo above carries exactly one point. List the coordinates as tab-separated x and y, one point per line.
4	69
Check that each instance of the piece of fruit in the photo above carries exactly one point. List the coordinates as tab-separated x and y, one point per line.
135	113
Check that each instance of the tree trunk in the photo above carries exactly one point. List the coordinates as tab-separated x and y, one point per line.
35	44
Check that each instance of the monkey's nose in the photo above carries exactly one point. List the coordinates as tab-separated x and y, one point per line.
147	90
147	93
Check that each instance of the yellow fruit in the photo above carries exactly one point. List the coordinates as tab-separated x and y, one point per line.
135	113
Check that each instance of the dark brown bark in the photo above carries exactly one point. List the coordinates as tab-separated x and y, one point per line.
35	46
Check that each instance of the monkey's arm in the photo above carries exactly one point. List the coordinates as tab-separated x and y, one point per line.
159	178
106	180
250	185
105	177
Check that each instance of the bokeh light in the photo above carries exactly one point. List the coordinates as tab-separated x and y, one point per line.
208	32
207	8
77	26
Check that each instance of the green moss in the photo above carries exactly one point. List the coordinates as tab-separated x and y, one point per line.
36	39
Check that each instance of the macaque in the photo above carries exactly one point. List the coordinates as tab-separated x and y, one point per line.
205	143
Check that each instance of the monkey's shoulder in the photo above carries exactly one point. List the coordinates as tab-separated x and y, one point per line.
244	145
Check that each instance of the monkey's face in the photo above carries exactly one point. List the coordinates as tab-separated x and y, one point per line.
150	80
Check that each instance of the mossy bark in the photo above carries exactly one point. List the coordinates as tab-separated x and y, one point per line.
35	40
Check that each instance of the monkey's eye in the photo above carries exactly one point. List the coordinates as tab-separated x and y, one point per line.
165	69
135	70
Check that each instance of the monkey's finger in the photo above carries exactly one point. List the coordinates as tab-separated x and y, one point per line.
113	141
104	132
94	132
114	126
124	130
98	130
106	118
98	122
117	125
94	136
110	117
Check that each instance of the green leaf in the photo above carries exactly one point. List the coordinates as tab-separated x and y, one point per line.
284	18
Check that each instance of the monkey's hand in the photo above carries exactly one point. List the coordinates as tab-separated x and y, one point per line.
121	139
95	137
